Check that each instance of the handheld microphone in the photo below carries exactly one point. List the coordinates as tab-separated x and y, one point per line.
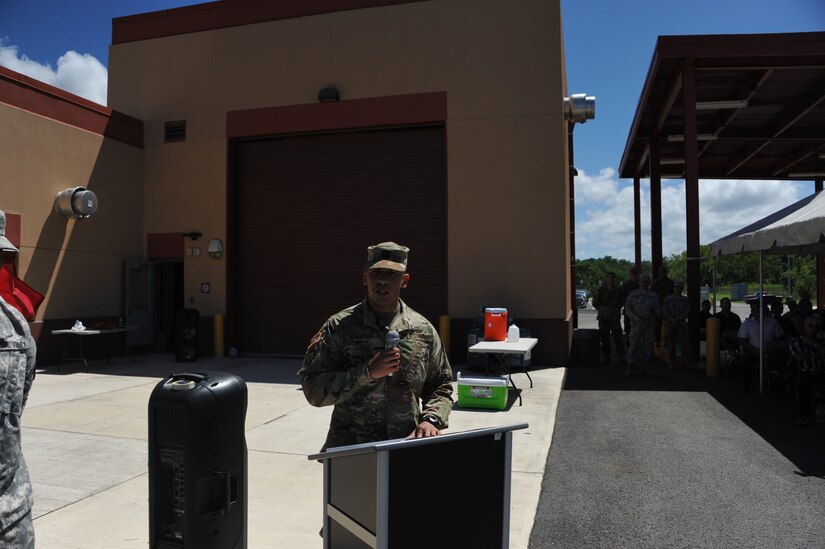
391	341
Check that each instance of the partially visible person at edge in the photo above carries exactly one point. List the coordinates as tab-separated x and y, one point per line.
797	315
808	350
632	283
643	309
608	302
378	393
675	313
17	358
663	286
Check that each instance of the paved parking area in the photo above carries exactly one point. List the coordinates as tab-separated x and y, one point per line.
85	440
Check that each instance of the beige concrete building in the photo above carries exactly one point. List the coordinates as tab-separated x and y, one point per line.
292	135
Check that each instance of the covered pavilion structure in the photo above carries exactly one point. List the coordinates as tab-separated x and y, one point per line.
739	107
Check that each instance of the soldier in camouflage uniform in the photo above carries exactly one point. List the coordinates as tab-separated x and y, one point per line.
643	309
632	283
17	357
608	302
663	286
379	393
675	311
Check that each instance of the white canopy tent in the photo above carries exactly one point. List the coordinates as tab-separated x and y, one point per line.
796	229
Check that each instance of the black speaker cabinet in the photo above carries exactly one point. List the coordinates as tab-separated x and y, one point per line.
187	335
198	462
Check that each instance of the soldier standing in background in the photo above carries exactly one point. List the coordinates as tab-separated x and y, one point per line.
675	311
663	286
632	283
643	309
17	361
608	302
376	391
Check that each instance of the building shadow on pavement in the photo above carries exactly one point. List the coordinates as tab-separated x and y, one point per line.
774	421
161	365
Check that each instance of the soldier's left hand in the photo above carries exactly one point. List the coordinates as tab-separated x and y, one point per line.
425	429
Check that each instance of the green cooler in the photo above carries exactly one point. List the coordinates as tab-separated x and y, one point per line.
482	392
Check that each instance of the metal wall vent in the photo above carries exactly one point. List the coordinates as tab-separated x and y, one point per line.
174	131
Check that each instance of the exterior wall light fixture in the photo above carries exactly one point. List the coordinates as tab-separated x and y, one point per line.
329	95
215	248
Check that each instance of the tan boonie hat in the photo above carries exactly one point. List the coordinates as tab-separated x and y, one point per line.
387	255
5	245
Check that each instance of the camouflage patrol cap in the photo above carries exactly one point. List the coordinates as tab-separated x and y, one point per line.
387	255
5	244
644	277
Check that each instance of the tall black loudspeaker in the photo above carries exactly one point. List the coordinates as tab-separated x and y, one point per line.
198	462
186	335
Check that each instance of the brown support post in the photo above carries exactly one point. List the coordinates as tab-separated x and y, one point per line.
572	215
655	208
691	203
820	266
637	221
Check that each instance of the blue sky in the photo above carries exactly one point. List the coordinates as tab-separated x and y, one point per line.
609	45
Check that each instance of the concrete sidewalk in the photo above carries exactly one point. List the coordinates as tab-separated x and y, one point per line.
85	440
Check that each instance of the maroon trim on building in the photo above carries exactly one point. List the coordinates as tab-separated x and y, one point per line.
13	228
411	109
165	245
220	15
28	94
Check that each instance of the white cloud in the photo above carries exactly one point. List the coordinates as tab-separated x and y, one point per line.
604	211
80	74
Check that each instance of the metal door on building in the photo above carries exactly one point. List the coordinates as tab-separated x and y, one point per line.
303	211
139	301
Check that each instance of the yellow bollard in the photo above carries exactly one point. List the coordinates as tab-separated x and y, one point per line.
444	332
218	335
713	331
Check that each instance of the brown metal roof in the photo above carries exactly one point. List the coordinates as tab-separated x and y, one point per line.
779	135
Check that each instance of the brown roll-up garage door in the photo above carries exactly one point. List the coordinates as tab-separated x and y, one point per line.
304	210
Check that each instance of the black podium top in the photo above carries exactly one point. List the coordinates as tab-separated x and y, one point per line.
399	443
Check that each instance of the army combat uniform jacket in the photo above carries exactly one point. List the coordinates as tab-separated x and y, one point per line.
642	307
608	302
676	309
334	372
17	358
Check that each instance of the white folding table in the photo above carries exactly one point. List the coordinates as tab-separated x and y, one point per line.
76	337
521	347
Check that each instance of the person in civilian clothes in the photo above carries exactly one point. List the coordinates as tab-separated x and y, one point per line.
378	393
809	352
729	323
749	341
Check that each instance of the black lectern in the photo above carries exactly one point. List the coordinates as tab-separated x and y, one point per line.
447	491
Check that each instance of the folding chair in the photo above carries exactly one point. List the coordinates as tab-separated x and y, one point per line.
729	351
